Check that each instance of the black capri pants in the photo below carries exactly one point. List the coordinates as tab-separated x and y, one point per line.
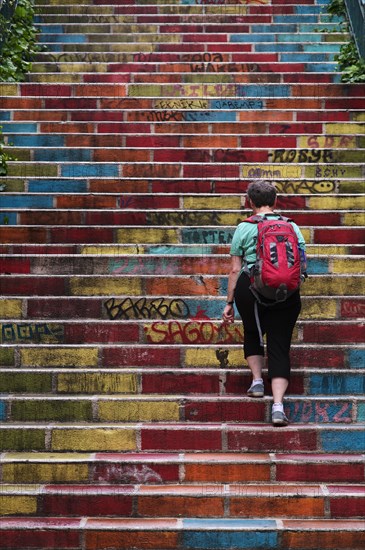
277	322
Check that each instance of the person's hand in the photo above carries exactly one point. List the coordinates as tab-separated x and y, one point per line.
228	314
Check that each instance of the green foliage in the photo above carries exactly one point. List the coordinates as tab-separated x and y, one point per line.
349	62
337	7
351	65
19	43
4	157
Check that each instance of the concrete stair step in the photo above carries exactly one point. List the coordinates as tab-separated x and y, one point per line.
181	534
159	234
53	308
176	58
321	74
88	27
210	500
187	408
158	265
162	437
147	285
211	153
106	17
155	8
315	397
179	186
332	45
164	249
187	331
183	468
193	357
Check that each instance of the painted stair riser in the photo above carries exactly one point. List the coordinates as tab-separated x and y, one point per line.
74	308
201	409
126	468
228	151
164	437
92	534
119	91
143	265
192	358
158	235
197	219
316	107
126	200
209	501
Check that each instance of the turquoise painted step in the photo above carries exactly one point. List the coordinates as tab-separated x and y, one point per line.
279	38
308	48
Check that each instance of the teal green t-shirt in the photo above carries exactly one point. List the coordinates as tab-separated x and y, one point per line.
245	239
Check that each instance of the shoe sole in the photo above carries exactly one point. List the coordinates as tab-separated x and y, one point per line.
255	394
280	422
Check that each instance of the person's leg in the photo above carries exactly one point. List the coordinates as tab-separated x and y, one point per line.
279	387
253	351
279	323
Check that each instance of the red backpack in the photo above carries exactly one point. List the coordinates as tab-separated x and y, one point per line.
277	271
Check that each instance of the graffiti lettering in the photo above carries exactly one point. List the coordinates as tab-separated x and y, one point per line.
319	412
225	68
157	308
317	142
205	332
140	265
212	236
353	309
329	172
301	155
183	218
31	332
182	104
124	473
205	57
312	187
262	173
239	104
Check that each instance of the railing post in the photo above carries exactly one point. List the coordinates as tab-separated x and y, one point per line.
356	14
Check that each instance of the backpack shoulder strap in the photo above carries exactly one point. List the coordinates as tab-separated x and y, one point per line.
253	219
258	218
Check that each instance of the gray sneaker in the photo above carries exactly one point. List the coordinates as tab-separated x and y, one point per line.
279	419
256	390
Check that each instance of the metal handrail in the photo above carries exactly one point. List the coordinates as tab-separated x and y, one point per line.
356	14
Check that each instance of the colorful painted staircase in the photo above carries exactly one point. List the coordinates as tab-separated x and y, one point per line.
125	422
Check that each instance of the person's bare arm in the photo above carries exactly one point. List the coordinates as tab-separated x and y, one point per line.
236	265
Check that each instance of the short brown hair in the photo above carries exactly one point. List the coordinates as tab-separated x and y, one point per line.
261	193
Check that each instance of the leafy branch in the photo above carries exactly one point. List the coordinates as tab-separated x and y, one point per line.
351	65
5	157
19	42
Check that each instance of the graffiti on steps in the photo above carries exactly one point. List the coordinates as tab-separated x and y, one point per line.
311	187
238	104
205	332
31	332
330	172
208	236
353	309
225	68
183	218
324	142
314	411
301	155
142	308
140	266
181	104
125	473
